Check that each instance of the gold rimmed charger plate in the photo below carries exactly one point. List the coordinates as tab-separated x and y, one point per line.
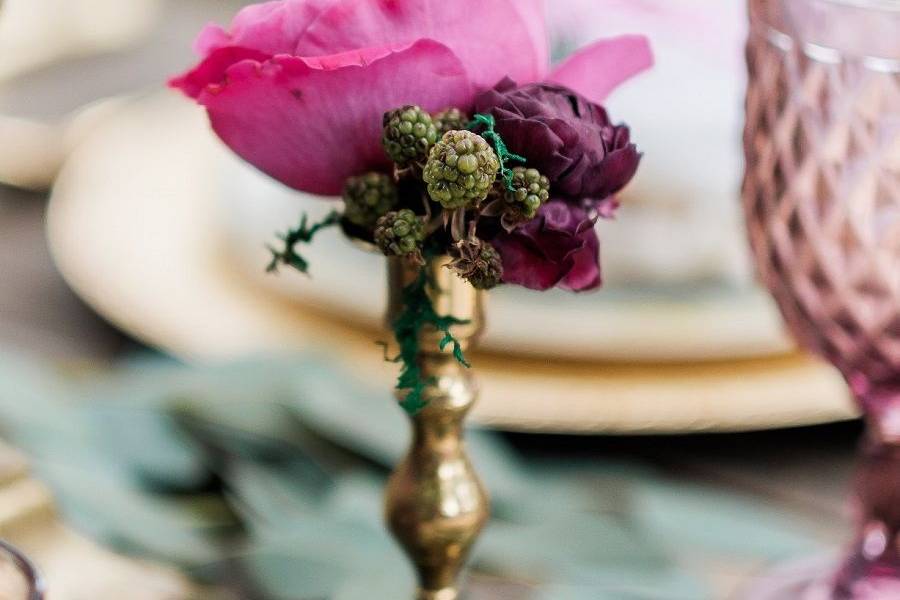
133	226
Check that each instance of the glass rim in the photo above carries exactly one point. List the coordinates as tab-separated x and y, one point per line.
27	568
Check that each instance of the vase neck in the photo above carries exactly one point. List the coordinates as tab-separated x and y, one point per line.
450	397
449	294
880	403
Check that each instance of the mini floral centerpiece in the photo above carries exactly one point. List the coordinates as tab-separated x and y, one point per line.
459	154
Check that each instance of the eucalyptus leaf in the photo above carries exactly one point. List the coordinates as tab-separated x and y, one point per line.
286	460
240	426
672	587
35	404
358	496
104	505
269	497
569	548
362	420
277	576
371	424
364	554
377	585
709	520
152	445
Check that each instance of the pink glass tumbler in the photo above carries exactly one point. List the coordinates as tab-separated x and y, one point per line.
822	201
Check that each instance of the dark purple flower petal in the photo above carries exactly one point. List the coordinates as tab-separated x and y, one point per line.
568	138
557	248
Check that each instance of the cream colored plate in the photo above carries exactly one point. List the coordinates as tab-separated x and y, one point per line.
134	228
37	33
34	33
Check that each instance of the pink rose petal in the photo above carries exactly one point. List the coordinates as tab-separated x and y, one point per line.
270	27
313	122
257	32
597	69
492	38
211	71
211	38
534	15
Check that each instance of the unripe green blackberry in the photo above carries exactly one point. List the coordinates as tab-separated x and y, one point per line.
409	133
400	233
449	120
530	191
461	169
367	197
478	262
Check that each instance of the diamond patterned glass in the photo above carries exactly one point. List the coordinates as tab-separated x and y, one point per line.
822	193
822	202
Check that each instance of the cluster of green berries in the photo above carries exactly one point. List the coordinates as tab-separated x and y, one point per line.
451	119
530	191
478	262
400	233
367	197
461	170
409	133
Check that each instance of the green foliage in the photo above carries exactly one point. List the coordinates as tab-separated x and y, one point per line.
277	478
503	152
303	234
418	313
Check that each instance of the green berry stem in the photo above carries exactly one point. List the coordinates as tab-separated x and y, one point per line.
303	234
457	223
503	152
418	312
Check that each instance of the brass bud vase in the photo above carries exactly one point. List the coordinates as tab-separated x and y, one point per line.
436	505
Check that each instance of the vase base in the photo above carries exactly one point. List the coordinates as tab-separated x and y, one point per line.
449	593
827	578
804	579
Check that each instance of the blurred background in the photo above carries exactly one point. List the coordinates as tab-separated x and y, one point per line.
179	425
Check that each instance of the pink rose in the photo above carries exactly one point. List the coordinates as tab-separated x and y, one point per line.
298	87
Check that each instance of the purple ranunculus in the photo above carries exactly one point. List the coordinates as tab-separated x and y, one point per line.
559	247
563	135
